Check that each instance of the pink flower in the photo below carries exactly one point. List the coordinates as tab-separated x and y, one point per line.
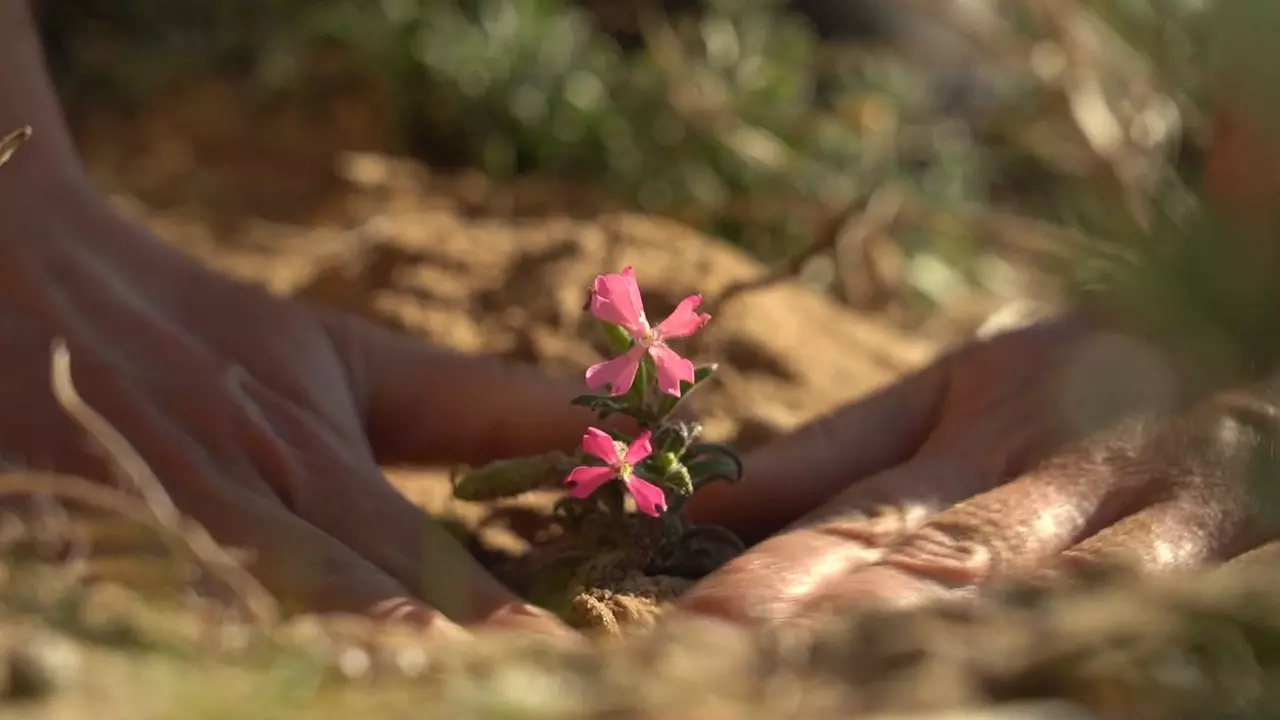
621	461
616	299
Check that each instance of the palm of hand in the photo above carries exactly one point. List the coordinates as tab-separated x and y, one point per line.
972	470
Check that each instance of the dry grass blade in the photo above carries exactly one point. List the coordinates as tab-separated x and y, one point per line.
11	142
854	225
255	599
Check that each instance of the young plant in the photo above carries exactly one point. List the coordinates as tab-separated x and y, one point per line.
656	469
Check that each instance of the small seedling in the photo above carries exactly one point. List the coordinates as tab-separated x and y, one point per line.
625	491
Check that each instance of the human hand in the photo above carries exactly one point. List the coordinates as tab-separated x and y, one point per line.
940	483
959	475
265	419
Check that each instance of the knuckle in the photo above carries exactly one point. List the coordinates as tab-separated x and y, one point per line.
953	551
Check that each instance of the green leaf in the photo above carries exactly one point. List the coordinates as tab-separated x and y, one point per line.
591	401
618	436
618	338
604	405
676	437
708	462
635	397
678	478
509	478
669	403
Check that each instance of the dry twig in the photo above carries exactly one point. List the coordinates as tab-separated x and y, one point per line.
11	142
161	513
856	223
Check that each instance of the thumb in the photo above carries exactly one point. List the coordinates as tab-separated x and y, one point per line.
423	403
788	478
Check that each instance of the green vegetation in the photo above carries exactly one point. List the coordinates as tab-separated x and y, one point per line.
740	122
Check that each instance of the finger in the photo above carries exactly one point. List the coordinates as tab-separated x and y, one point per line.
296	562
338	487
1265	556
776	579
929	411
1205	510
866	523
424	403
533	620
1181	533
786	479
1017	526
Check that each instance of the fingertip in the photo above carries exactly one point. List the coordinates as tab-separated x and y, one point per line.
530	620
420	617
774	580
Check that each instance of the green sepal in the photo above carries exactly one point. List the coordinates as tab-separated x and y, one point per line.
620	341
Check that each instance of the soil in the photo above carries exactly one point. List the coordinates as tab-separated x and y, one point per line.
324	211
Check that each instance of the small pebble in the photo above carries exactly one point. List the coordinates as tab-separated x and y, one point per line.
354	663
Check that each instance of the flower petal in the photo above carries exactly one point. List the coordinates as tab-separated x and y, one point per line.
641	448
585	480
599	443
672	369
684	321
618	373
615	298
650	499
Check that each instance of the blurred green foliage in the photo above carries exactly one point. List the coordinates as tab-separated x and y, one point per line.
718	122
518	86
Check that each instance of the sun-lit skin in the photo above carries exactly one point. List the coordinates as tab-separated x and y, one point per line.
1161	493
976	468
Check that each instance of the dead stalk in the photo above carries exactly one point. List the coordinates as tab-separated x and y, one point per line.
854	225
10	143
156	509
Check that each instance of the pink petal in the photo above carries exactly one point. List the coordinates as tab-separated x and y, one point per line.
641	448
618	373
616	299
586	480
649	497
599	443
684	321
672	369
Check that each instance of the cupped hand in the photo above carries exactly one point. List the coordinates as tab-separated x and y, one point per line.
264	418
980	467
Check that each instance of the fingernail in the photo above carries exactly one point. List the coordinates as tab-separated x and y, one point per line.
408	612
